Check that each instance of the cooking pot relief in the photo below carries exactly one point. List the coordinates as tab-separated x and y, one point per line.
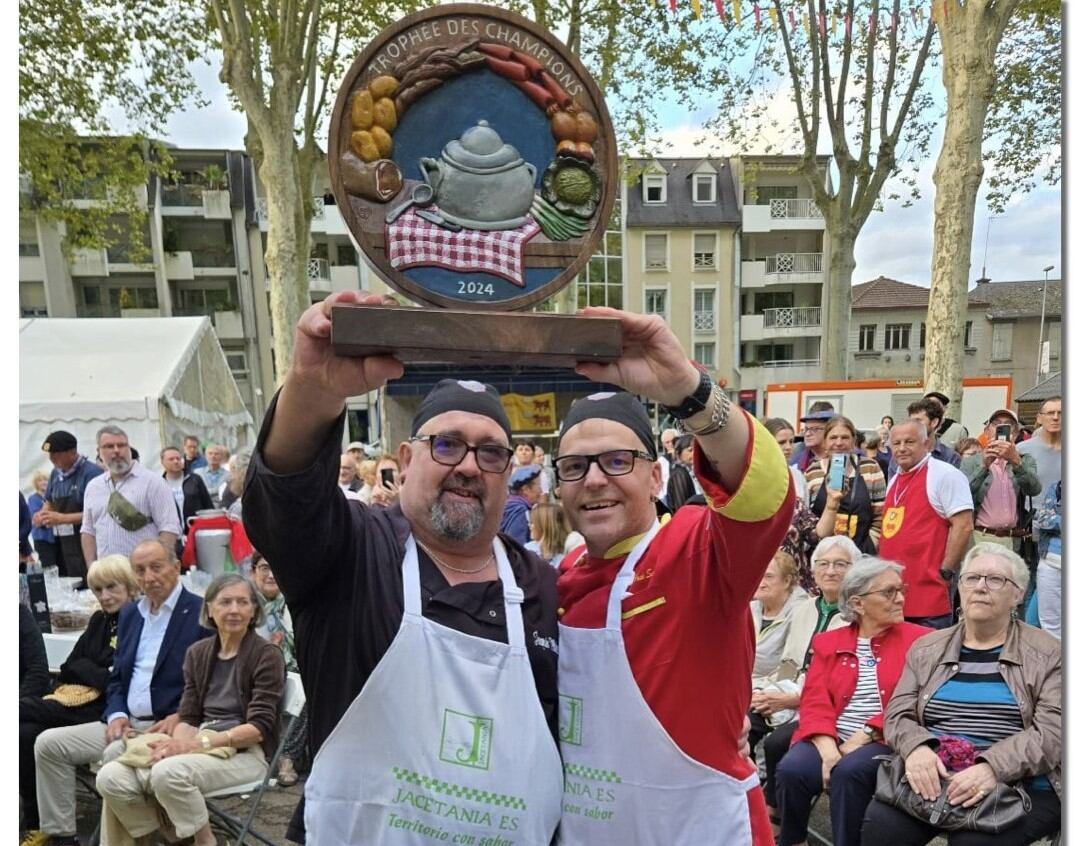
480	182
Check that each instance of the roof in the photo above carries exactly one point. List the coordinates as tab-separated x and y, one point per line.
680	209
119	368
1051	387
888	293
1001	299
1017	299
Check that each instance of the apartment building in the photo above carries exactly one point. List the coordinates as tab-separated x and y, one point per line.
681	248
783	275
887	338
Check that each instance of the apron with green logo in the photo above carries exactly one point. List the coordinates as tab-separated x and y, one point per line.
626	780
446	743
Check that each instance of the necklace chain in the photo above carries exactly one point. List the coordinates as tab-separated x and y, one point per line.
461	570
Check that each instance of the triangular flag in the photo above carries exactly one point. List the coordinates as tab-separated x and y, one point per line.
832	28
821	24
757	18
791	19
696	6
720	9
671	5
772	17
847	27
736	7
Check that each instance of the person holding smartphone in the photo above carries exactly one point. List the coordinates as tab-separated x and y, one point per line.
846	490
1002	482
385	492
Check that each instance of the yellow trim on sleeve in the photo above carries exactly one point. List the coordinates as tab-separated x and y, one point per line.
765	485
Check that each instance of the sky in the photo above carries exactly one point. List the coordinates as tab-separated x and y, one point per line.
896	242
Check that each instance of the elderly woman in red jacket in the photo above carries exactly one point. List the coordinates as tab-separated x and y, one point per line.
848	685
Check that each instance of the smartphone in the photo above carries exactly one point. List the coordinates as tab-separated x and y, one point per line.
387	474
837	465
1003	432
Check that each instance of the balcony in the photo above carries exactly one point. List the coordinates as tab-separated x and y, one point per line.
228	325
795	317
782	214
320	221
761	374
704	321
195	201
319	275
179	265
85	262
181	196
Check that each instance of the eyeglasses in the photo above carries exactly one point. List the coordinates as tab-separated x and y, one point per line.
825	564
813	430
993	581
615	462
450	451
261	567
890	592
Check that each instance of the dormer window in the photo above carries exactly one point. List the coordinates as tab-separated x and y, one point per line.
704	188
654	188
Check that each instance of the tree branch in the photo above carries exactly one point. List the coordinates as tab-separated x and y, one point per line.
794	72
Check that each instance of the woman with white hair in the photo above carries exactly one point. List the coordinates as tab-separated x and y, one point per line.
775	701
978	706
848	685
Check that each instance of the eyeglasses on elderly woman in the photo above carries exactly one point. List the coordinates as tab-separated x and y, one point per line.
969	581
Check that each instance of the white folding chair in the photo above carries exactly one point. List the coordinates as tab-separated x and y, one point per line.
292	701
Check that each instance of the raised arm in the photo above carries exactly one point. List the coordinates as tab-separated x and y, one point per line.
316	386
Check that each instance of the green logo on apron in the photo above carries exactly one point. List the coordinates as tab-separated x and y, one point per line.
466	739
570	719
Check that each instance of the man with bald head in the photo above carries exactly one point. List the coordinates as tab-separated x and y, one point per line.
428	643
144	689
651	713
927	524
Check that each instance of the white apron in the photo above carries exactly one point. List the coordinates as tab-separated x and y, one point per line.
626	780
446	742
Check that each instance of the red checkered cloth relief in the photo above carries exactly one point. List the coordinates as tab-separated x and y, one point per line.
414	242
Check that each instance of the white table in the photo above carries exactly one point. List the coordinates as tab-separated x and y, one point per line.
58	646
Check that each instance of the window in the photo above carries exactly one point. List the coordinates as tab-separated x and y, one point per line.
704	310
773	299
32	300
1053	335
197	301
601	281
656	302
967	334
28	242
897	336
237	360
656	252
654	188
1001	343
922	335
704	187
766	193
704	251
346	255
705	355
210	242
775	352
866	337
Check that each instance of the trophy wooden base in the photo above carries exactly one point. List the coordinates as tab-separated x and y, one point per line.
428	335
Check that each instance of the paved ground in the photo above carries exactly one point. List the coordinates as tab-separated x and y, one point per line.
275	809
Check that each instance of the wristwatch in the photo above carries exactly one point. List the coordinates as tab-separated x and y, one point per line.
204	739
871	732
694	403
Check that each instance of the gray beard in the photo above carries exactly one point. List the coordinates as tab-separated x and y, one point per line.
118	466
459	523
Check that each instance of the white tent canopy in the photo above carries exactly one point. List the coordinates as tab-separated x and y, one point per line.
156	378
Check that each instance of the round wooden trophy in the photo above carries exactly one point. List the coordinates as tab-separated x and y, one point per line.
473	160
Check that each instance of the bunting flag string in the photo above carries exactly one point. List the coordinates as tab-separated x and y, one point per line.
937	11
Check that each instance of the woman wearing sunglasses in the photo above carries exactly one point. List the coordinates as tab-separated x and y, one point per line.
848	686
992	683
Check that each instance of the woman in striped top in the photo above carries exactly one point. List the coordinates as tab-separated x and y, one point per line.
851	677
991	684
856	510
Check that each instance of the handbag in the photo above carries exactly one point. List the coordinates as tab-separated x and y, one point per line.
1002	808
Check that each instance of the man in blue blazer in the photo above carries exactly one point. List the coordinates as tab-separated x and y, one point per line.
143	693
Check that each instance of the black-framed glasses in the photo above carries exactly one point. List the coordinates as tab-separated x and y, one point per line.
890	592
614	462
993	581
450	452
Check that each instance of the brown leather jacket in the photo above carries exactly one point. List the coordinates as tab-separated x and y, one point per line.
1031	666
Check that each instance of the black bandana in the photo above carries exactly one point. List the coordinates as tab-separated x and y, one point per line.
618	406
462	395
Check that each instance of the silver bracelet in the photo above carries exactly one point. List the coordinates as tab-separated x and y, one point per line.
721	408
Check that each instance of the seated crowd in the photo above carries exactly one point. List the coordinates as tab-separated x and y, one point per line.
908	654
176	695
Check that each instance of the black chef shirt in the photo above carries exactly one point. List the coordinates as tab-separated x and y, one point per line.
338	563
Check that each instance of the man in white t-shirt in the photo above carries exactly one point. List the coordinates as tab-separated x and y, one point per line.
927	524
